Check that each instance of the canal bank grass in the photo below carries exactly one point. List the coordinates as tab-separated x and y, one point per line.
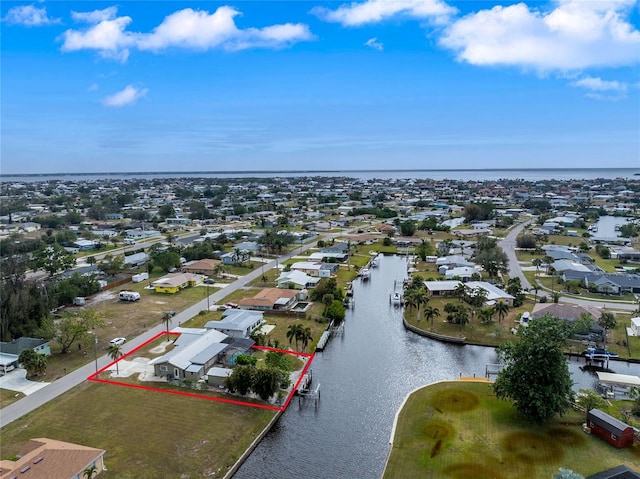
492	333
461	430
145	434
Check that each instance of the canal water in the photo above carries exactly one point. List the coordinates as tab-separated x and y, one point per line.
364	375
607	226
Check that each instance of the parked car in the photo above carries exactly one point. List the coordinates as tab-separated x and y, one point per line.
117	341
232	305
209	281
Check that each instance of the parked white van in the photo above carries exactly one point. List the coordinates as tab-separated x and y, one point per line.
128	296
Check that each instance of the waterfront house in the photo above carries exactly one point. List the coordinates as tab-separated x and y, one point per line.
296	280
270	299
195	351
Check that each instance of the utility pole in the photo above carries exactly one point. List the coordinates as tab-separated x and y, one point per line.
95	351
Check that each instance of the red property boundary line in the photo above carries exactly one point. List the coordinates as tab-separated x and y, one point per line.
94	377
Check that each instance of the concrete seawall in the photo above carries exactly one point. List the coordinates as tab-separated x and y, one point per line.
439	337
252	446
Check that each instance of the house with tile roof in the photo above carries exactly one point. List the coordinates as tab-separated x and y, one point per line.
44	458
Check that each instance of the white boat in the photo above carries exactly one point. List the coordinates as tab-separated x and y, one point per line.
396	298
365	273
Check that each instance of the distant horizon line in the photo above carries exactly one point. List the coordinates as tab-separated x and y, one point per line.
244	172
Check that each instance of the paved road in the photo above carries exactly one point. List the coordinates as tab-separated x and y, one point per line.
508	244
27	404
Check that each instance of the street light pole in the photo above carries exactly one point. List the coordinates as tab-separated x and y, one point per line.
95	351
208	297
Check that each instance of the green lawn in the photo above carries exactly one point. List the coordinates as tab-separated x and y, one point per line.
146	434
492	333
460	430
7	397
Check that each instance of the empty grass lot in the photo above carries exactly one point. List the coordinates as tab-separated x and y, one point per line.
460	430
146	434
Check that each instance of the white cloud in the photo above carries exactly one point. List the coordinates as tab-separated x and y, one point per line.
187	28
108	37
375	44
373	11
600	85
93	87
95	16
128	96
29	16
574	35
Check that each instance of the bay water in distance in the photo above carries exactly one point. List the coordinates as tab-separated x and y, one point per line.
525	174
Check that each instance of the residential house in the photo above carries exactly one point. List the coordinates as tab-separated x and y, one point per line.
83	244
40	346
195	351
44	458
563	265
570	313
625	253
232	258
174	282
136	260
296	280
237	323
463	273
454	261
204	266
270	299
441	288
493	293
316	269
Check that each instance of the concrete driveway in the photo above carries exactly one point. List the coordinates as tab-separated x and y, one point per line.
16	380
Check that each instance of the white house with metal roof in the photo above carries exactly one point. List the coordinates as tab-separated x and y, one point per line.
194	352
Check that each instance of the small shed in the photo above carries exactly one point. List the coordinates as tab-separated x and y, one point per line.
610	429
216	376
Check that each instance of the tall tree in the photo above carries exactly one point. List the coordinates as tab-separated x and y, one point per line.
115	353
607	321
501	308
431	312
536	376
53	258
75	327
293	333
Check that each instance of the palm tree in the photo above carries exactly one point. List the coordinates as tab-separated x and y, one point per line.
547	260
485	315
501	309
411	298
422	298
293	333
537	263
460	291
166	319
90	472
304	335
461	316
431	312
115	353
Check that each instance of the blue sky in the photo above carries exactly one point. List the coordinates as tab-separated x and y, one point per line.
263	85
